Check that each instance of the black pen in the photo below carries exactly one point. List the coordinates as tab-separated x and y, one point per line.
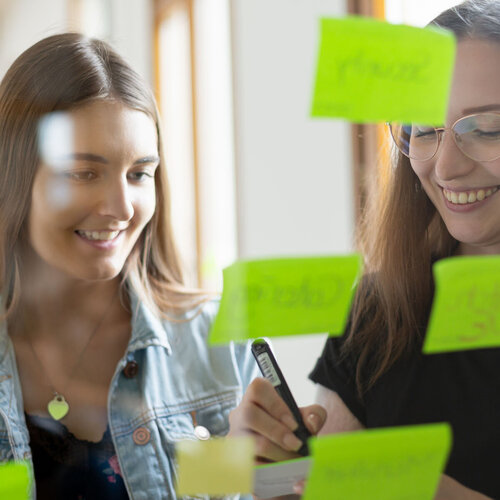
270	369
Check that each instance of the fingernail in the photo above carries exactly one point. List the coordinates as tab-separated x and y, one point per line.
313	420
292	442
289	421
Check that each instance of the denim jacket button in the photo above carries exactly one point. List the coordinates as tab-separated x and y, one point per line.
131	369
141	436
201	432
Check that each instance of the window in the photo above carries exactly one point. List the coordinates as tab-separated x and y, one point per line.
195	94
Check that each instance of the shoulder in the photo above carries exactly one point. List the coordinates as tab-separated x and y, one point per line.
197	320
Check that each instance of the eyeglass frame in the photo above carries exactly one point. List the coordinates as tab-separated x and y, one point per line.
440	132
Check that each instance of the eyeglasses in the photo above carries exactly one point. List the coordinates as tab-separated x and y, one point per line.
477	136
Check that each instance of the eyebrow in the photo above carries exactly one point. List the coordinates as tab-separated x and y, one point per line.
147	159
100	159
488	107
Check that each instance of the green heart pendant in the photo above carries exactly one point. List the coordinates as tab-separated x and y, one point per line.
58	407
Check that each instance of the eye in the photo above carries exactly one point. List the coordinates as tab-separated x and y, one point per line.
487	134
80	175
140	176
424	132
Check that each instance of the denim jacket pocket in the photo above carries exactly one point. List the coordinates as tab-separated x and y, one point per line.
181	426
211	413
150	444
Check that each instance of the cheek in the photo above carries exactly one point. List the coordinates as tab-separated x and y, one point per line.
145	207
58	195
55	202
423	170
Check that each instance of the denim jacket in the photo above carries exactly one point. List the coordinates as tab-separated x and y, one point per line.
176	380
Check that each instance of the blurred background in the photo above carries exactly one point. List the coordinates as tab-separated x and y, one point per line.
252	174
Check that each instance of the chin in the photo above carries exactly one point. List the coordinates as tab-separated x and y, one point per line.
468	238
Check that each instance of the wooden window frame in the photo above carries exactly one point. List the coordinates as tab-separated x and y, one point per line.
366	139
162	9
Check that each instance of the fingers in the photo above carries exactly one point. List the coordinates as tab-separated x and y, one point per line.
314	417
262	393
264	414
266	451
274	430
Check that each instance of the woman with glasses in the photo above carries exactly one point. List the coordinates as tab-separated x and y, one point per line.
440	199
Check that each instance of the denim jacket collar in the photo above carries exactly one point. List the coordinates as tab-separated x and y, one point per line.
147	328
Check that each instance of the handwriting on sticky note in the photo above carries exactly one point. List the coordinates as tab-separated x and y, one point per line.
290	296
218	466
370	70
15	481
465	312
399	463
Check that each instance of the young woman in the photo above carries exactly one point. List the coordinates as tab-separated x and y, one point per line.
440	199
104	363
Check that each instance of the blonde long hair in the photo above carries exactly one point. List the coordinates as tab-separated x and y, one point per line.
59	73
401	235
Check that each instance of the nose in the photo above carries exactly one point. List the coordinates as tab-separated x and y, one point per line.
450	163
116	200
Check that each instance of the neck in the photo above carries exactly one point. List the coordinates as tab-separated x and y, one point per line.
50	300
466	249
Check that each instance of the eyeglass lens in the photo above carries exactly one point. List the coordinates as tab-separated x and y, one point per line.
477	136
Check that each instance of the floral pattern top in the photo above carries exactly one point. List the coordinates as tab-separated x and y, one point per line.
73	469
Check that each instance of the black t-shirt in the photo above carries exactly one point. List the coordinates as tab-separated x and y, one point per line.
462	388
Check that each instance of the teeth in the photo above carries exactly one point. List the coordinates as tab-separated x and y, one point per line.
464	197
99	235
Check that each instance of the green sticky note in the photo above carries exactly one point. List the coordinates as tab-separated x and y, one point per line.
465	313
219	466
15	481
399	463
288	296
369	71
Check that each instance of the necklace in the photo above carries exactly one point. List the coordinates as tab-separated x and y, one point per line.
58	407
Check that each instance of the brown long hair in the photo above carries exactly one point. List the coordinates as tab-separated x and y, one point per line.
401	235
59	73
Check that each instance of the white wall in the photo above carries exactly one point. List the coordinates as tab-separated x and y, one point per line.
127	26
131	33
24	22
294	185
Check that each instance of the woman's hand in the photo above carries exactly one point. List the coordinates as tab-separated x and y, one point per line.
263	414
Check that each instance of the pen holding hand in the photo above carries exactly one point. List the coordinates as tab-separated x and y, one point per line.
269	413
263	414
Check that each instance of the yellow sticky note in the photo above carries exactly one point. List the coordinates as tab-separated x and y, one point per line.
286	296
14	481
219	466
466	308
398	463
369	71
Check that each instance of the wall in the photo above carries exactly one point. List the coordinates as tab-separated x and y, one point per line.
24	22
294	186
126	24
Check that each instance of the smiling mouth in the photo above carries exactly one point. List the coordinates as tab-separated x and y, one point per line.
471	196
98	235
